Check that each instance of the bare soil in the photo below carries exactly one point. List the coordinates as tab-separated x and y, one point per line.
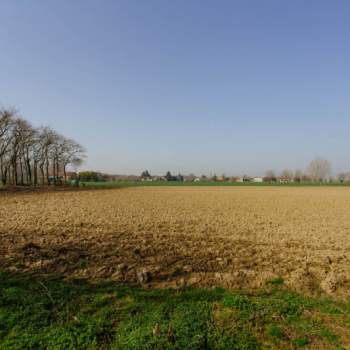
234	237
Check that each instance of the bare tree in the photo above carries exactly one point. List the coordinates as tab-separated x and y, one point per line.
287	175
319	169
57	151
24	151
73	154
48	139
298	175
76	163
38	155
270	176
344	177
16	149
27	134
341	177
6	124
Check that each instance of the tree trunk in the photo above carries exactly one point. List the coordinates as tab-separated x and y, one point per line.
42	174
21	169
29	172
47	172
4	179
58	171
35	173
15	175
2	172
54	171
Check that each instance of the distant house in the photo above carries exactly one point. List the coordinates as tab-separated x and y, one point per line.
158	178
257	179
221	178
147	179
189	178
236	179
285	179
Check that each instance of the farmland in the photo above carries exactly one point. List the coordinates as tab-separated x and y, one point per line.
243	239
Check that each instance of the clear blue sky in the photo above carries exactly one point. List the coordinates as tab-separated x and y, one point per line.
188	85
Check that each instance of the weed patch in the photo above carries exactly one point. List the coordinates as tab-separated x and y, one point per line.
51	313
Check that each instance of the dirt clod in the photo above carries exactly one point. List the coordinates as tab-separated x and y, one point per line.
143	276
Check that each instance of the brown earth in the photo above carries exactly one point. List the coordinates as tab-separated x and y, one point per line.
234	237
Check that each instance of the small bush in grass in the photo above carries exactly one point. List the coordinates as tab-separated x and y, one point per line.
275	331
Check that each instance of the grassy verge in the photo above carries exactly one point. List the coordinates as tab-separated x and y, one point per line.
50	313
123	184
120	184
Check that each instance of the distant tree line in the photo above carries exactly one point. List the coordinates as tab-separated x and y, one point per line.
145	175
34	156
92	176
318	171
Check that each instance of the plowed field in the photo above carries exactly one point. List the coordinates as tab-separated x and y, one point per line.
234	237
